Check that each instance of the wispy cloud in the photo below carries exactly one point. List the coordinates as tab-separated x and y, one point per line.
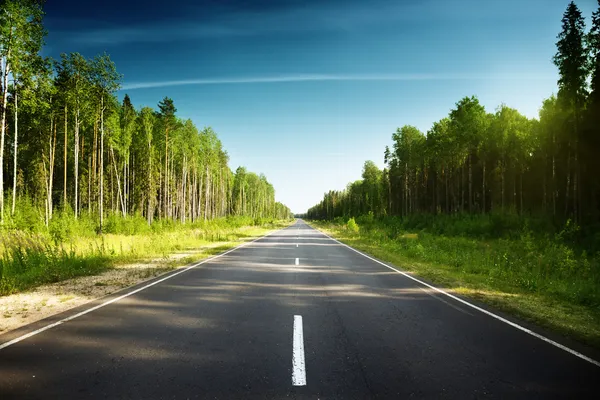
332	77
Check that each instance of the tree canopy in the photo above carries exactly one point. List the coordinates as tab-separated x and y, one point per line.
82	150
477	161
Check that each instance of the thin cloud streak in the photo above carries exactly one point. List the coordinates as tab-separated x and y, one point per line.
326	78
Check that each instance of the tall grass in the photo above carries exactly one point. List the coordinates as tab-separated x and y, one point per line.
71	247
507	251
533	268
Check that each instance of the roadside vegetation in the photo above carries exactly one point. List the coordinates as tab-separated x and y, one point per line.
87	179
544	276
495	205
30	259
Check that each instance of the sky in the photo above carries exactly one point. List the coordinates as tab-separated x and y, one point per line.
305	91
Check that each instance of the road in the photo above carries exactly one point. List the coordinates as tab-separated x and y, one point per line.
292	315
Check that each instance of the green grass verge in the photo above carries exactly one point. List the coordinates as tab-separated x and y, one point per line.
510	275
29	259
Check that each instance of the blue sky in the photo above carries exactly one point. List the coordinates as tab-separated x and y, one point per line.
306	91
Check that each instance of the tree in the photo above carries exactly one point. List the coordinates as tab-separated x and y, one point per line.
21	35
591	133
571	59
106	80
468	122
127	126
167	116
147	122
372	177
74	73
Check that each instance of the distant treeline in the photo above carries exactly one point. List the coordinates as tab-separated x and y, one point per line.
474	161
66	142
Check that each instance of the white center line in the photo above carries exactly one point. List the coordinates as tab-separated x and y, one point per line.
297	261
298	365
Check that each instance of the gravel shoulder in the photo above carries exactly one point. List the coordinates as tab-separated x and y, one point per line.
21	309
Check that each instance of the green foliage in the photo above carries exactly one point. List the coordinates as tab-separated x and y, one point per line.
28	260
71	248
496	163
64	226
352	225
129	225
503	249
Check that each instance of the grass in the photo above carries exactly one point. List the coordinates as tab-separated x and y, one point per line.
545	277
29	259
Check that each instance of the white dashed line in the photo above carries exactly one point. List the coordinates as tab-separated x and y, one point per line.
298	365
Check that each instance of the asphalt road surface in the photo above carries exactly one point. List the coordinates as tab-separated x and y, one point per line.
292	315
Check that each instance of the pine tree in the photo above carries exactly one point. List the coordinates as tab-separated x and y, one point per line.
572	61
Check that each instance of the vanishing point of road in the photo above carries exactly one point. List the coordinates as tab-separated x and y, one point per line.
294	314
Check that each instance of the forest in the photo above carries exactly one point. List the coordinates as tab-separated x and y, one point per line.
79	161
479	162
68	143
495	201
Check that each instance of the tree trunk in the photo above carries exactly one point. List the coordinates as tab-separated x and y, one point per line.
166	190
207	194
183	182
545	184
76	163
151	193
94	171
568	189
14	194
502	173
200	196
447	196
121	200
554	192
483	205
462	188
65	161
101	200
514	206
6	71
521	194
576	195
470	185
90	184
52	161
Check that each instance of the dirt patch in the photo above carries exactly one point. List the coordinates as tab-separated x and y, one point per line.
24	308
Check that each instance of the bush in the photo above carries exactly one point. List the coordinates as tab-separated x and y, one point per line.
64	226
352	225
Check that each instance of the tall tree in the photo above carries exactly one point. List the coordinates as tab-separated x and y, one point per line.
591	139
147	121
167	115
106	81
21	34
571	59
75	79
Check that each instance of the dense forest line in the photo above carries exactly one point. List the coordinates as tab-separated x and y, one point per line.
67	143
478	162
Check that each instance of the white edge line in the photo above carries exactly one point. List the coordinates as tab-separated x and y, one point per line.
491	314
435	296
89	310
298	363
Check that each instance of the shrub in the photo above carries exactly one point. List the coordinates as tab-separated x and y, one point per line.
352	225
